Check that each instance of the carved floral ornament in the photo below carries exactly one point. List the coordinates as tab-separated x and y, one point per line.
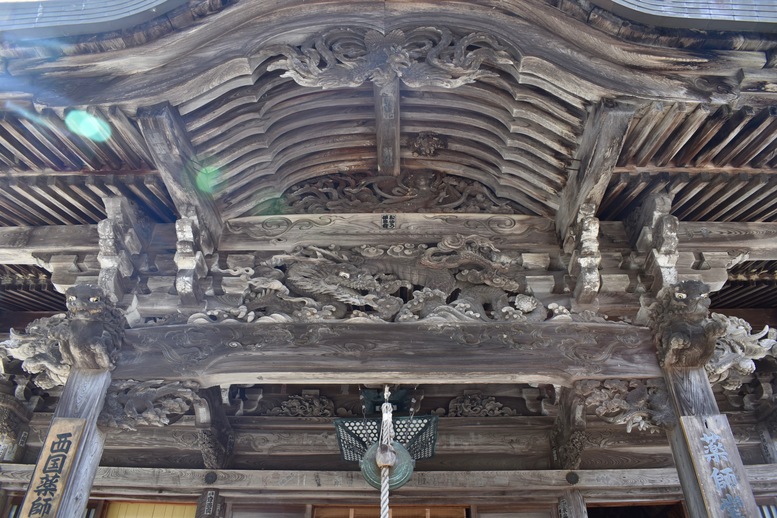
421	57
640	404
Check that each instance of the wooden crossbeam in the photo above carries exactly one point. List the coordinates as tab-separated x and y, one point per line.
21	245
370	353
431	486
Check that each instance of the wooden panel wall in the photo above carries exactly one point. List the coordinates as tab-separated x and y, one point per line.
150	510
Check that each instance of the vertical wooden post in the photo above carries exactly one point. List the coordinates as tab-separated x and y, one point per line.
568	434
65	470
572	505
710	469
14	425
766	433
767	427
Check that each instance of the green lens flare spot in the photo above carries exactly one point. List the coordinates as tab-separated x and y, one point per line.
88	126
206	178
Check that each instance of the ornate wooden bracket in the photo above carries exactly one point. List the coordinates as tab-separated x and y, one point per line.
214	433
683	333
87	337
735	351
189	259
567	438
123	236
653	230
583	244
154	403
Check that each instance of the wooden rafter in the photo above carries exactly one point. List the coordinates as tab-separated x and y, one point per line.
597	155
179	166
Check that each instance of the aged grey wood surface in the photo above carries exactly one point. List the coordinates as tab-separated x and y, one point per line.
650	76
289	231
179	167
708	463
220	354
21	245
720	475
82	398
430	487
597	155
572	505
518	442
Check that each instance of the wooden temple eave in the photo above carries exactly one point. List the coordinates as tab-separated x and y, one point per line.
522	218
194	59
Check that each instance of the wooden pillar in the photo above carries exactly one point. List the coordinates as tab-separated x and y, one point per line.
14	422
767	431
572	505
710	469
568	434
63	476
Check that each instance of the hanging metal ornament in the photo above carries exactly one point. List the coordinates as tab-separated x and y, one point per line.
414	438
399	473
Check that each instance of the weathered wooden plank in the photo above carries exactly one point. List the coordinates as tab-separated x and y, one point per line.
387	126
290	231
20	245
691	392
81	403
222	354
178	166
720	476
598	153
516	486
759	239
709	466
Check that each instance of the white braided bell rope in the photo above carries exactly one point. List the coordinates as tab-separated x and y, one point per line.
386	438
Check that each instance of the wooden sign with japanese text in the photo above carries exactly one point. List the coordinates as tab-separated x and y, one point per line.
53	469
719	470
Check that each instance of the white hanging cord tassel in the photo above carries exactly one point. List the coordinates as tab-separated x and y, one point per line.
386	456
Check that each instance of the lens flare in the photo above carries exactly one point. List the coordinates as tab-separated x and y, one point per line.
88	126
206	178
